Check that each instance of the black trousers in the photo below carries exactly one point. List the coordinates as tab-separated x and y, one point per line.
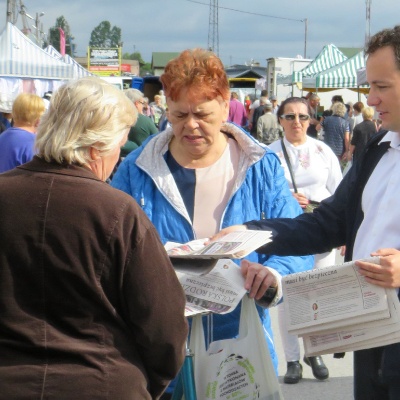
374	377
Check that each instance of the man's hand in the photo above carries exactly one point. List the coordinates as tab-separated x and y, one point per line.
387	274
257	279
225	231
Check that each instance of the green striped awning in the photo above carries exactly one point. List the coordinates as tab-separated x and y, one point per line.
343	75
328	57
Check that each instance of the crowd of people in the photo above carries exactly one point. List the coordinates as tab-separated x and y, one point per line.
94	181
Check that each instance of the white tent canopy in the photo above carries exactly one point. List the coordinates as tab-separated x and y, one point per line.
328	57
25	67
362	76
20	57
343	75
79	71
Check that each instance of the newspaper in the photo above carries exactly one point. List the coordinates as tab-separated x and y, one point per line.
233	245
218	291
335	309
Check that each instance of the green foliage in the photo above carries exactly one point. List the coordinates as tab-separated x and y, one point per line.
134	56
54	36
105	36
146	69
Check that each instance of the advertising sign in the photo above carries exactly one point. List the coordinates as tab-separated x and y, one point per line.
104	61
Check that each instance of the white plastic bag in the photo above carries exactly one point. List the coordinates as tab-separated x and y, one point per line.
235	368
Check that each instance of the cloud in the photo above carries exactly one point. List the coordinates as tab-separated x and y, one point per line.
174	25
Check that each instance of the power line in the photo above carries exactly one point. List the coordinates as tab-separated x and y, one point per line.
248	12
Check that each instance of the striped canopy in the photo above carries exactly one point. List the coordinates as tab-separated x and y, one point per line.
79	71
20	57
343	75
328	57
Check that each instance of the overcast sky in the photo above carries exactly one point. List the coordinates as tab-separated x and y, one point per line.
248	29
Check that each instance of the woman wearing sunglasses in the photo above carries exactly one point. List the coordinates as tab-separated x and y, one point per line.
313	173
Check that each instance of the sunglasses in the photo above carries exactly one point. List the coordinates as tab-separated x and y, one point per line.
292	117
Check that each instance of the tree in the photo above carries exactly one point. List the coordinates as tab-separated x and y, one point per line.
105	36
134	56
54	36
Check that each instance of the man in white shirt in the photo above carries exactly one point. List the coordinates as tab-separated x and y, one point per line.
363	213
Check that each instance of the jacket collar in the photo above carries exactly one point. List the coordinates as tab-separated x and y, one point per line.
39	165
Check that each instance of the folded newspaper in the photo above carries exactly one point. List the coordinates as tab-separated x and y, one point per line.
233	245
212	282
218	291
334	309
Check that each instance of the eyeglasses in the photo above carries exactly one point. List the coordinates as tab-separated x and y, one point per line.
292	117
142	102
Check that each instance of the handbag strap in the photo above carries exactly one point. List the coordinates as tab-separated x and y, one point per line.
289	165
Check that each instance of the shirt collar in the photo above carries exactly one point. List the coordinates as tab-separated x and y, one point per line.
393	138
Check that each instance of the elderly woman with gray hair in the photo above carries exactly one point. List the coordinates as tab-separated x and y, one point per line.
337	131
83	310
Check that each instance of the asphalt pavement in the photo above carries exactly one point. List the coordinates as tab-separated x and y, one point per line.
339	385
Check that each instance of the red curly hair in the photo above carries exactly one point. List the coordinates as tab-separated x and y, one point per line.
199	71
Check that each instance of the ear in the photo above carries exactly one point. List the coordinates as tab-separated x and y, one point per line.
225	110
94	154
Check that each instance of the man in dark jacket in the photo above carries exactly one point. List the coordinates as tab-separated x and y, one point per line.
363	214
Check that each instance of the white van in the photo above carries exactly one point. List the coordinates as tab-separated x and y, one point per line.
117	81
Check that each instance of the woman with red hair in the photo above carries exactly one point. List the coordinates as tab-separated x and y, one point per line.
204	173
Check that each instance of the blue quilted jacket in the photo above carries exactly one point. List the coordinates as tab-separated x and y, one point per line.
260	191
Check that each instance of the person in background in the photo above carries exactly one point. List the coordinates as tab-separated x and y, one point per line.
5	119
258	112
17	142
337	130
357	113
313	102
274	101
237	111
206	173
157	109
362	133
313	174
268	128
86	312
254	105
144	126
363	214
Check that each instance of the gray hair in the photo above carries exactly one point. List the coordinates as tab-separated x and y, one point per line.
339	109
133	95
83	114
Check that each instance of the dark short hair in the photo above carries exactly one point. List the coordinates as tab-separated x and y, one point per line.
385	38
337	98
291	100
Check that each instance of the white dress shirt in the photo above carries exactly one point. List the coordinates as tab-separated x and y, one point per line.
380	204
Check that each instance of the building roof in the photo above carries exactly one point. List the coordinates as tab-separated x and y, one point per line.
245	71
350	51
161	59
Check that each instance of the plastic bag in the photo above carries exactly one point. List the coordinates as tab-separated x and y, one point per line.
238	368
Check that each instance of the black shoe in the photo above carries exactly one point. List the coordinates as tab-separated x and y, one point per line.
318	367
294	372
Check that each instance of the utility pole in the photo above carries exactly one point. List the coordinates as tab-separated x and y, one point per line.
213	35
367	20
305	37
12	14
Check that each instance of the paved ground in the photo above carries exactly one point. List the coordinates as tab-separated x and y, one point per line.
339	385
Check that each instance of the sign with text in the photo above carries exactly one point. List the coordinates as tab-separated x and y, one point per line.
104	61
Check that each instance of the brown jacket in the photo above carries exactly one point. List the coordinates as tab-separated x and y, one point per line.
90	307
